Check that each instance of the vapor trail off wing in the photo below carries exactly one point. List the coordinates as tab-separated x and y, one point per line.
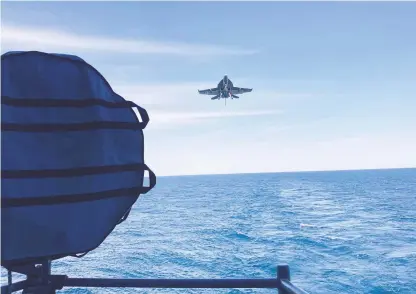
212	91
238	90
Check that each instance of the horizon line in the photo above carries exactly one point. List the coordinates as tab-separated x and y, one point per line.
288	172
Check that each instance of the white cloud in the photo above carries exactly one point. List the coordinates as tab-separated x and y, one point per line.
32	38
172	105
165	94
218	152
171	119
264	145
179	95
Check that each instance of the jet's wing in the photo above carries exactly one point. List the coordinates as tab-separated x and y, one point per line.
212	91
238	90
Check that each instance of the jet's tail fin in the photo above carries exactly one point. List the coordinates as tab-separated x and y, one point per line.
215	97
234	96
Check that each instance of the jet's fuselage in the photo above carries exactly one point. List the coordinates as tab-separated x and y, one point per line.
224	87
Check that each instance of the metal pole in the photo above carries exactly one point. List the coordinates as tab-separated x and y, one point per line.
283	273
285	286
41	281
289	288
9	280
173	283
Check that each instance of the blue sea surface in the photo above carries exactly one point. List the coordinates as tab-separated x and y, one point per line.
340	232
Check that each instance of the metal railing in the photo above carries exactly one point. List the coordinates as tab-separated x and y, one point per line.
40	281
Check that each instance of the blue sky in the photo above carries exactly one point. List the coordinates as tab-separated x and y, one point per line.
334	82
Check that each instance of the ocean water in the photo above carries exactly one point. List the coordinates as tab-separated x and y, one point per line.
340	232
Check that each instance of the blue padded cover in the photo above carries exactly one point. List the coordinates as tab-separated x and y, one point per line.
72	157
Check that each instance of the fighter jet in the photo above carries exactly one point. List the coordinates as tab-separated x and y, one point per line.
225	89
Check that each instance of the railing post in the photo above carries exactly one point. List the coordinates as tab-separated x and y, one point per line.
283	273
